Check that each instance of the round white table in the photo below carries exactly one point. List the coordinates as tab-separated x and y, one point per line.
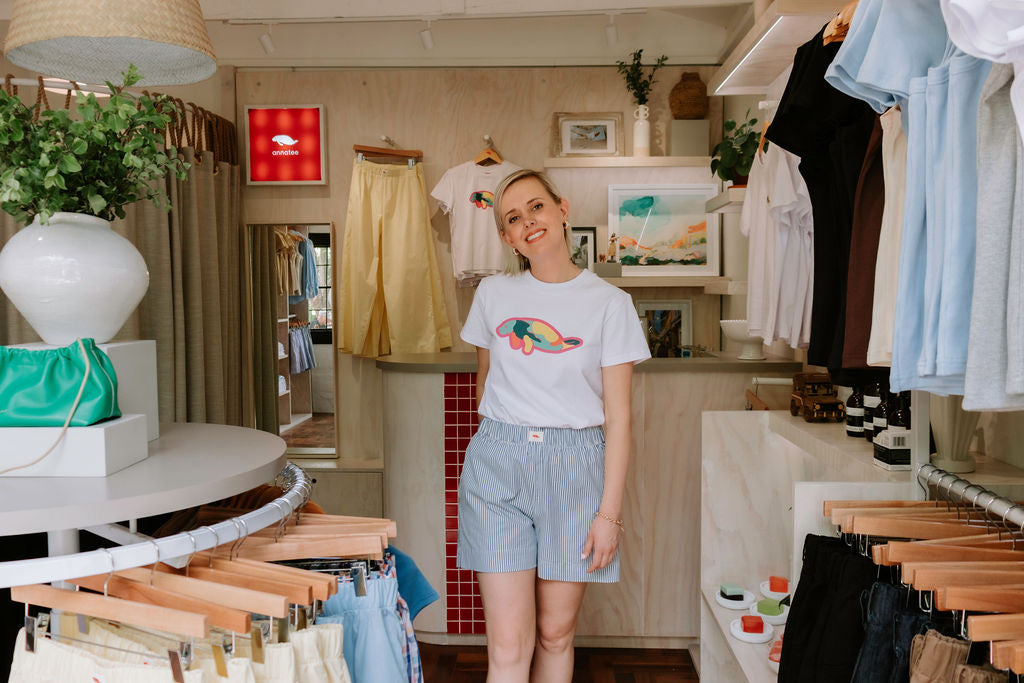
189	465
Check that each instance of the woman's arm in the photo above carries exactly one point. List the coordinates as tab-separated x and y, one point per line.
603	538
483	364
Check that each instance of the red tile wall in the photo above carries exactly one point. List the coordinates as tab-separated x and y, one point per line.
465	612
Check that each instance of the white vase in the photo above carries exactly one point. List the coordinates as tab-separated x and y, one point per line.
641	131
74	277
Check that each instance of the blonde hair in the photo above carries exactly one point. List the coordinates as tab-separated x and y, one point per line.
515	262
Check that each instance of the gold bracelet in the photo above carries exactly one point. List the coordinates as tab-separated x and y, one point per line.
617	522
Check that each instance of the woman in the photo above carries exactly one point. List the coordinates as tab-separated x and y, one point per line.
541	490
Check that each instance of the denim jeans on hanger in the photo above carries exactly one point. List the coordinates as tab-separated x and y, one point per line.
877	658
908	623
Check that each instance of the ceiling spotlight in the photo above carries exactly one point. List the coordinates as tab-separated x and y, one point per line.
611	33
427	38
266	41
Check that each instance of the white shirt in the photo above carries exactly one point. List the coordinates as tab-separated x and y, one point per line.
548	343
466	194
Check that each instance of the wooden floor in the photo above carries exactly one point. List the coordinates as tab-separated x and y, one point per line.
464	664
316	432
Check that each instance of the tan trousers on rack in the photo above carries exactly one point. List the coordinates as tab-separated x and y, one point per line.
391	297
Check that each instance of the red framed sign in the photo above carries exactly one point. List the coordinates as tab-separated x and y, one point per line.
286	145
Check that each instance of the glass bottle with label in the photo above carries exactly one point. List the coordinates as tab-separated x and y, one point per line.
855	414
901	417
871	400
882	412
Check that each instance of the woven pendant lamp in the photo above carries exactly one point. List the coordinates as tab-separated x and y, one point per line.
93	41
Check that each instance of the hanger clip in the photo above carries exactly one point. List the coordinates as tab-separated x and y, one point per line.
220	660
83	624
30	634
358	575
360	157
282	630
177	671
256	637
412	163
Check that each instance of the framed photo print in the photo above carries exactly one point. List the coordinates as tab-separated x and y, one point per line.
285	145
581	135
668	326
584	247
664	230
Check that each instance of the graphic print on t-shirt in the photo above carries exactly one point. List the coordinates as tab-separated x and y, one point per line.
482	199
533	333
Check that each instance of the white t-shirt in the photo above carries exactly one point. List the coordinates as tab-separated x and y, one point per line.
466	194
548	343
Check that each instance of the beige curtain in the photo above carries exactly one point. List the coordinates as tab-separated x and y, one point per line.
263	283
193	308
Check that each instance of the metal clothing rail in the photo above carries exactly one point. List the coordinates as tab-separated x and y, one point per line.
960	490
63	567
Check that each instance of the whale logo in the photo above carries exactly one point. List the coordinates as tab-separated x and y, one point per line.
529	334
283	140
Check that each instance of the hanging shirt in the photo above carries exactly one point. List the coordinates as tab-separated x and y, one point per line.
790	207
466	194
829	131
993	377
894	170
548	342
759	227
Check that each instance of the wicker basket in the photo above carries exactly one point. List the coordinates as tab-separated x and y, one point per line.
689	97
92	41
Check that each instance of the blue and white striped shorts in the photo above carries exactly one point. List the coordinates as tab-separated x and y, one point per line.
527	498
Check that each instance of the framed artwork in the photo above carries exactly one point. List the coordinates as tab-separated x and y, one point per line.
664	230
668	326
584	247
587	134
285	145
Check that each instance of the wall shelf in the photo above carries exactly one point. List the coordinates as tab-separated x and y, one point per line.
768	48
726	288
705	282
625	162
728	201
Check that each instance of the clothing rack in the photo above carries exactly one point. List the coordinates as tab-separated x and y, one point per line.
298	487
959	490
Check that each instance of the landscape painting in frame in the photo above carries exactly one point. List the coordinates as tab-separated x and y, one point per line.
664	229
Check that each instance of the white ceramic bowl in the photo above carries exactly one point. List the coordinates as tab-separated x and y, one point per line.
736	330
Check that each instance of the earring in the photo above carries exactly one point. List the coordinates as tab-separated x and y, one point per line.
515	251
565	225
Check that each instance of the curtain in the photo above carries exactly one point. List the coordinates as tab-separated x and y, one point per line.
263	283
193	307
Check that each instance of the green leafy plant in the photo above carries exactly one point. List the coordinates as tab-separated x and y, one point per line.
109	156
637	82
734	155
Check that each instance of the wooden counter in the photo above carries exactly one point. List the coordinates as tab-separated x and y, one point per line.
657	601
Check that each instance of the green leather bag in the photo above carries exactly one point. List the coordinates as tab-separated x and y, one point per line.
43	387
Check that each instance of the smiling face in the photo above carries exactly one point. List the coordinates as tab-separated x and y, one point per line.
533	223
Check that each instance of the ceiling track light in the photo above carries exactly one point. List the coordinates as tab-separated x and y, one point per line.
611	33
427	38
267	41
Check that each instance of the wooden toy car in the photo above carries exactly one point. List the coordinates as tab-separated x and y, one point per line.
809	385
823	409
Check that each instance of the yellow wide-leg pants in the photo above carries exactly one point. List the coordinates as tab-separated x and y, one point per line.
391	296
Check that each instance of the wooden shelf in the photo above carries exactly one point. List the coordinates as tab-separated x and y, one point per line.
285	356
768	48
296	419
728	288
752	658
283	393
729	201
714	282
625	162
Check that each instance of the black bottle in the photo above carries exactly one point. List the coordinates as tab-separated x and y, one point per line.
901	416
882	412
855	414
871	400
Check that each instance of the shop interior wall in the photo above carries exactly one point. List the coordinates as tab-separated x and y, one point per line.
445	113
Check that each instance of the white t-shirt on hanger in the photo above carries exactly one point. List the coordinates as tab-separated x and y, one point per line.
466	194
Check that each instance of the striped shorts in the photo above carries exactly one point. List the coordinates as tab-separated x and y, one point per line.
527	498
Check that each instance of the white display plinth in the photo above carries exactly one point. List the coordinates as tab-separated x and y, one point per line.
98	450
135	365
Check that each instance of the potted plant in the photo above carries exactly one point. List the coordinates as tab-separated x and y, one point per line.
67	177
734	155
639	85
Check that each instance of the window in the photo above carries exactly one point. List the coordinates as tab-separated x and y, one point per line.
321	319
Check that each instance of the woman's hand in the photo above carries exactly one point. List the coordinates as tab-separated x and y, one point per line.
603	542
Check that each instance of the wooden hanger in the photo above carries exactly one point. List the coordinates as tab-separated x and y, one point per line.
489	156
297	593
836	30
237	597
995	627
156	617
385	152
237	621
321	586
357	546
